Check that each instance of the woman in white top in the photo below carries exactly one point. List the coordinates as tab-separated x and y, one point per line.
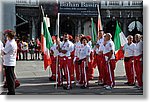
84	57
9	58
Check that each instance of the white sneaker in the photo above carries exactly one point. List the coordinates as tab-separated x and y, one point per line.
77	84
108	88
105	86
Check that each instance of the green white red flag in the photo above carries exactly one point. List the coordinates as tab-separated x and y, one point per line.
119	41
46	41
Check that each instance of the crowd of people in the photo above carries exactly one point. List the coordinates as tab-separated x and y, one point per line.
33	47
76	61
80	58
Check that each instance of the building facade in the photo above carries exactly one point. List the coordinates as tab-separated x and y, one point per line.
75	16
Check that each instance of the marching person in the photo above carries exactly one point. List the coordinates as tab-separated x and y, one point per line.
138	60
84	60
9	58
108	49
65	61
128	50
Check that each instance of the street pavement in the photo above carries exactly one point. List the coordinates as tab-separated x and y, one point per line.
34	81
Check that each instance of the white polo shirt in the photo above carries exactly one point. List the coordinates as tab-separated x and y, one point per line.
138	50
10	51
100	41
77	47
90	43
129	50
108	47
54	49
69	46
85	51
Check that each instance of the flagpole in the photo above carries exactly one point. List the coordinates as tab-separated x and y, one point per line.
42	11
98	17
42	31
57	55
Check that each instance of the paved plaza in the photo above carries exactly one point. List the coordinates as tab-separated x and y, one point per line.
34	81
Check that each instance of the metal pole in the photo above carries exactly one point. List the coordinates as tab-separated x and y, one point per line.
57	55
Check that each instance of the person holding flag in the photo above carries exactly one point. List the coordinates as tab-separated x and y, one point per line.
65	60
53	54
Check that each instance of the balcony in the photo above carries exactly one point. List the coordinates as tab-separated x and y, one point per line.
121	4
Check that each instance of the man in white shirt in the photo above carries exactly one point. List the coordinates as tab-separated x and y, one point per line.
108	50
53	54
9	58
65	61
138	60
99	58
128	50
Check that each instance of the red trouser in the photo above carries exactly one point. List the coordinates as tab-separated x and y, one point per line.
95	60
100	62
77	70
53	67
65	63
84	74
138	69
90	67
109	72
129	70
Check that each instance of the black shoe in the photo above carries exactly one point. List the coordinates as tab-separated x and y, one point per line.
58	85
127	83
131	84
11	93
51	79
84	87
101	84
5	86
67	88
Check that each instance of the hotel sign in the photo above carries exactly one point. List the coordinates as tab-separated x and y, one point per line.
78	8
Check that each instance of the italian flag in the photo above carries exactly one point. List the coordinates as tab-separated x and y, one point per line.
94	36
46	41
119	41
